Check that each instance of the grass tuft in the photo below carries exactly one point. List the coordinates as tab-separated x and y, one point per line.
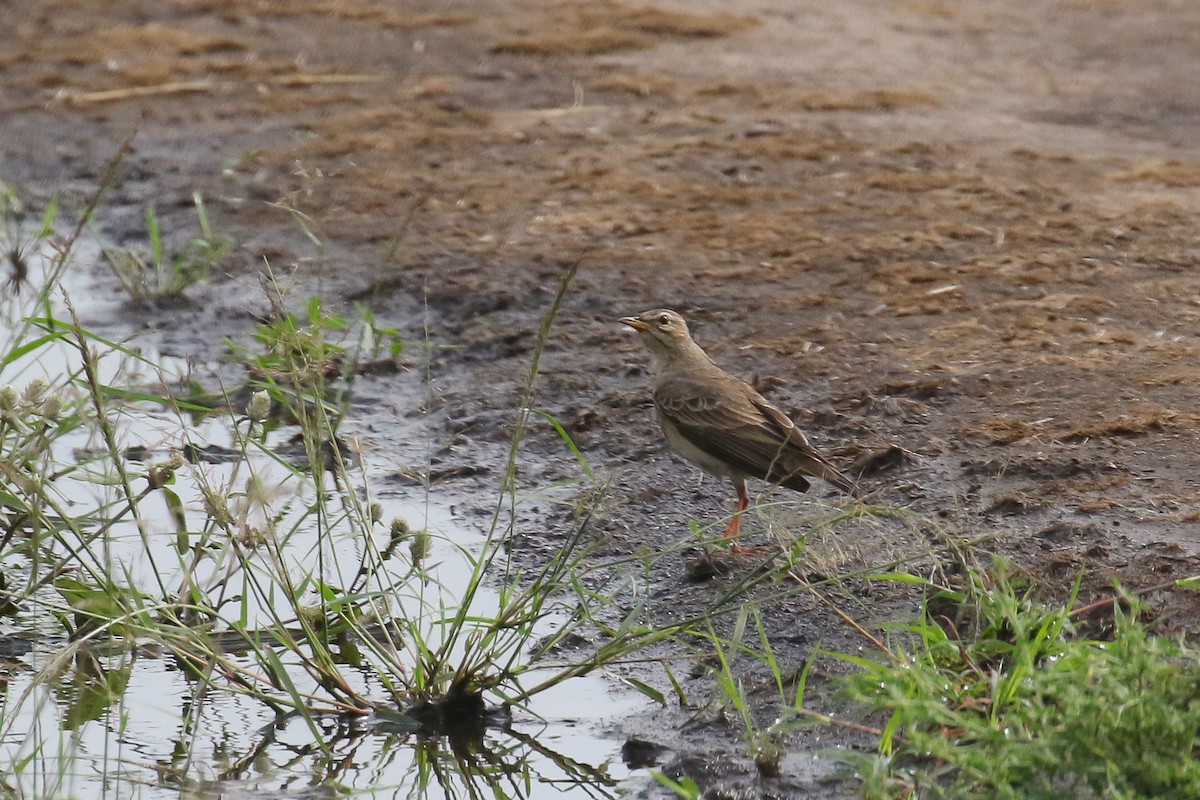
165	277
1007	702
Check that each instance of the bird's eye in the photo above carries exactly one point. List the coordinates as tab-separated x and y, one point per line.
664	320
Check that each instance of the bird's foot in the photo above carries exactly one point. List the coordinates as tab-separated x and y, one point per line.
736	549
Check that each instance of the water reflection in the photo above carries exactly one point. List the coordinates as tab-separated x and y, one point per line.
360	756
135	721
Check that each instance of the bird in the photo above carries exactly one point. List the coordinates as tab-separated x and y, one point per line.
720	423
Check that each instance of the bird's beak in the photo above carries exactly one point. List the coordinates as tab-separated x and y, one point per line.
634	323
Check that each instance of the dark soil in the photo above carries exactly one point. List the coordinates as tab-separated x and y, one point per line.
965	230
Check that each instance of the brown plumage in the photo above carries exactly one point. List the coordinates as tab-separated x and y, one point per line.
719	422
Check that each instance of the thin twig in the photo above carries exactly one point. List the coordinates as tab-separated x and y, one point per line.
845	723
1108	601
845	617
111	95
299	79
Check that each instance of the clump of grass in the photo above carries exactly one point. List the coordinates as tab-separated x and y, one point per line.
166	277
263	561
764	742
1016	705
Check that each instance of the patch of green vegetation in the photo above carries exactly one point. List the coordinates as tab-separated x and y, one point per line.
163	276
1010	702
684	788
764	742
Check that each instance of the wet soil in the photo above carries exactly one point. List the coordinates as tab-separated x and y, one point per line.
962	230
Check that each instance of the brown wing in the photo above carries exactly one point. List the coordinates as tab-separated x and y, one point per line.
802	456
732	422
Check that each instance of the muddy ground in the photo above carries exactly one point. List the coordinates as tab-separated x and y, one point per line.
962	229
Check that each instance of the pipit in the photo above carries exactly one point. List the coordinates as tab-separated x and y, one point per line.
720	423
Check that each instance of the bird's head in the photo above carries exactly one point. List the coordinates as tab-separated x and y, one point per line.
664	333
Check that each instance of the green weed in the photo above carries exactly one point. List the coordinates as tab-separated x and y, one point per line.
1008	702
764	745
684	788
167	276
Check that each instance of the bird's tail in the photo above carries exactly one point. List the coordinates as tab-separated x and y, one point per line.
826	471
813	463
839	479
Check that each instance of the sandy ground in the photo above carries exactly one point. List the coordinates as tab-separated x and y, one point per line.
965	230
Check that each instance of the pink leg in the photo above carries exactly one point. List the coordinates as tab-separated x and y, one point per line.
735	524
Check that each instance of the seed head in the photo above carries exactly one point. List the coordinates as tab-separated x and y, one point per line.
35	391
259	406
52	407
420	547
